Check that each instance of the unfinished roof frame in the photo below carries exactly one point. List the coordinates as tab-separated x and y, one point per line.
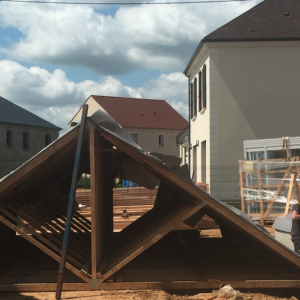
92	253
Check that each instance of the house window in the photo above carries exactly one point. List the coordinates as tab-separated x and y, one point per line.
194	175
192	100
160	140
195	97
203	161
25	140
9	138
134	136
204	85
47	139
200	91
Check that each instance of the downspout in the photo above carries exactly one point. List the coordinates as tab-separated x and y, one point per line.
189	106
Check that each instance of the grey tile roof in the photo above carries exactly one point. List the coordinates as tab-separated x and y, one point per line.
269	20
12	113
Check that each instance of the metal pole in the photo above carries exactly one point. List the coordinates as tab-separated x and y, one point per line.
70	206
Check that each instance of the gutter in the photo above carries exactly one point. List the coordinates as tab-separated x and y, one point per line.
201	44
189	106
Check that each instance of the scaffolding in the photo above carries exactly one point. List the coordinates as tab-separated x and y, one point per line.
269	187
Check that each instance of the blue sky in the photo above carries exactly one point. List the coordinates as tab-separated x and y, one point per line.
53	56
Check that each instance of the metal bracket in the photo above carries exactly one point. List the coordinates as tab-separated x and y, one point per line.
203	203
94	283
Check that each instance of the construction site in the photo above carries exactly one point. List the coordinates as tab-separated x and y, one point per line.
174	235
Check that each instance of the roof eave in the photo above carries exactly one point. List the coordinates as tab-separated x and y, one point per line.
251	39
156	128
34	125
203	41
198	49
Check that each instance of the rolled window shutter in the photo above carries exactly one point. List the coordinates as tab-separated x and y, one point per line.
200	91
204	86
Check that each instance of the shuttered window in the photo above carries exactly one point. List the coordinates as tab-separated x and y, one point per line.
195	97
191	101
200	91
204	85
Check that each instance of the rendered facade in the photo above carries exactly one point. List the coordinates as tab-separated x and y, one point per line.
251	68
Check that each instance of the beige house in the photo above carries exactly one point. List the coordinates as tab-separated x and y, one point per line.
152	124
244	85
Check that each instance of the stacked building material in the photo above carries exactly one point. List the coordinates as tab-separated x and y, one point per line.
136	201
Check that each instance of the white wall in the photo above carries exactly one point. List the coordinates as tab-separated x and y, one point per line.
253	91
200	123
259	94
93	107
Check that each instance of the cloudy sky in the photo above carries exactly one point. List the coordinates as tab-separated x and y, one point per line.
53	56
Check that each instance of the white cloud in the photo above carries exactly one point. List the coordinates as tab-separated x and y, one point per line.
137	37
171	87
55	98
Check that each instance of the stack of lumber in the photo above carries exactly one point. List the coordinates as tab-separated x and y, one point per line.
122	197
136	201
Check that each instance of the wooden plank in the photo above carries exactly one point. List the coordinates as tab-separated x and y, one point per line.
213	284
78	245
52	236
163	221
106	183
267	186
279	187
71	200
96	185
77	248
42	247
83	221
39	236
261	202
288	199
87	266
60	210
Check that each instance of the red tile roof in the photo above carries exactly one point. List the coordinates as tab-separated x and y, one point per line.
142	113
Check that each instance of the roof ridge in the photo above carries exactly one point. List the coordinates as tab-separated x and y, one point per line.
128	98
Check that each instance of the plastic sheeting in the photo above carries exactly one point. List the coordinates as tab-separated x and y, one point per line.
274	178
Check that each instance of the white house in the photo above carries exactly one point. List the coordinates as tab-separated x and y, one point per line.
244	85
152	124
